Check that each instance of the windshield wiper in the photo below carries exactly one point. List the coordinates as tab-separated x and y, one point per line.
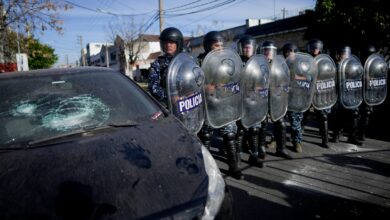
124	124
42	141
84	130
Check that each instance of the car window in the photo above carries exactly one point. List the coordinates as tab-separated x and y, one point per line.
39	107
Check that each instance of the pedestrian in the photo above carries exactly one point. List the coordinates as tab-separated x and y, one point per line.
269	50
255	135
213	40
171	43
289	49
351	115
315	48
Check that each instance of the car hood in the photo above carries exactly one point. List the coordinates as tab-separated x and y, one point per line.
153	170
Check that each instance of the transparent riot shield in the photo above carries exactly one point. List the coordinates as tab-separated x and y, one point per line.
185	82
303	73
223	97
325	92
350	76
375	80
255	88
279	88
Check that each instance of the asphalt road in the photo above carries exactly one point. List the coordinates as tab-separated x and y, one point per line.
343	182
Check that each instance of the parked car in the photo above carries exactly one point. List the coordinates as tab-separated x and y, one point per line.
88	143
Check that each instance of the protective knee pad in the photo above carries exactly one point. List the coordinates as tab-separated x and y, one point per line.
229	136
255	131
240	132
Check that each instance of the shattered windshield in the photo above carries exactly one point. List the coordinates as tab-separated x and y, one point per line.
33	108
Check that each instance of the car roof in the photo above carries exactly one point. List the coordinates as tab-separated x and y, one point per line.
54	71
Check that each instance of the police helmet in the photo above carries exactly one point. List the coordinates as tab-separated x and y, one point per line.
315	44
367	51
343	50
268	46
210	38
246	40
172	34
289	47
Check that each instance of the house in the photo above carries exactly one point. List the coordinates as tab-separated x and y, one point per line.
282	31
231	35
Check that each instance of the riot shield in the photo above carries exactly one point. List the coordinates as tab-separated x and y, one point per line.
279	88
350	76
303	73
185	91
375	80
222	70
254	87
325	92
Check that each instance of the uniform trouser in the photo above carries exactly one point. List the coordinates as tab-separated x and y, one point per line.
322	118
347	117
336	120
353	116
228	133
240	137
280	134
365	114
296	129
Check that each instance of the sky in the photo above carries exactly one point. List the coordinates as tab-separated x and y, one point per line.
91	19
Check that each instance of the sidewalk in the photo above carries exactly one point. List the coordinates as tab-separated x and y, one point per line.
345	181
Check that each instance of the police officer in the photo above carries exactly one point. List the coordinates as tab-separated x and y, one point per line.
294	117
213	40
315	47
171	43
247	48
269	50
364	109
351	115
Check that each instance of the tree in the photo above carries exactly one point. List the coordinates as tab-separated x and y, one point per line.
29	14
132	37
355	23
40	56
132	43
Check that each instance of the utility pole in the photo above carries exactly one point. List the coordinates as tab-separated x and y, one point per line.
107	58
274	11
80	40
2	31
67	60
160	12
284	12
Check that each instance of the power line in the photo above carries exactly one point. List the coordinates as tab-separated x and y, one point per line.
181	6
203	9
102	11
222	9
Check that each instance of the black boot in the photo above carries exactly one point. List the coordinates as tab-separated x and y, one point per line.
280	136
324	134
363	126
239	140
232	156
353	133
254	146
205	137
262	143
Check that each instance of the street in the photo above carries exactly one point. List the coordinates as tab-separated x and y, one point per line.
345	181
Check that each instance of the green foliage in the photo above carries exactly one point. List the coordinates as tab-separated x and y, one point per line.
355	23
40	56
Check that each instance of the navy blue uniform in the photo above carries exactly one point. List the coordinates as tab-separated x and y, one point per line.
296	128
157	83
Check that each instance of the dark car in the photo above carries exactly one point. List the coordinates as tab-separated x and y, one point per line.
88	143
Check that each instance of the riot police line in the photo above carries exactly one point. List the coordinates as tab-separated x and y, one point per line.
237	94
217	89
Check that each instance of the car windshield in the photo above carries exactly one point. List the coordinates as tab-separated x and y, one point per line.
41	106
